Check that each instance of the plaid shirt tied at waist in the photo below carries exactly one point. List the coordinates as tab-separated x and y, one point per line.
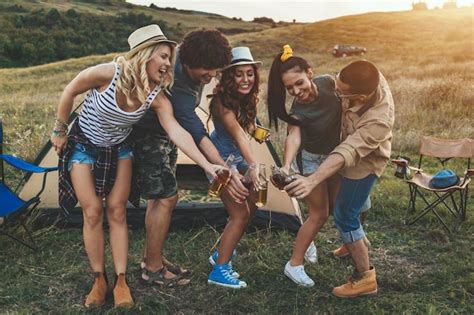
105	170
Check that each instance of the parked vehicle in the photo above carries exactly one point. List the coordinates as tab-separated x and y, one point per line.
348	50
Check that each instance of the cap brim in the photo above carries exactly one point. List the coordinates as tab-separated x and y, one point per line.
241	63
146	44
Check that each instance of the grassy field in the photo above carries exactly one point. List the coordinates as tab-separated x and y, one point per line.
428	60
183	20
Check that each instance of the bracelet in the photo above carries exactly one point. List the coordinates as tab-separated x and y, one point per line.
59	133
60	125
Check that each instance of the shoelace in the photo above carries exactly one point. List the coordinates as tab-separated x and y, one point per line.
310	252
231	270
302	274
229	277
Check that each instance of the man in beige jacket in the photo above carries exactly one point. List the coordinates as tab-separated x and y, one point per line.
366	129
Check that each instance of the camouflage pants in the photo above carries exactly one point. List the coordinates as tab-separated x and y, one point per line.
156	158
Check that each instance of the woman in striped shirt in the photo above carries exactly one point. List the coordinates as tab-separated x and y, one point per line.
96	156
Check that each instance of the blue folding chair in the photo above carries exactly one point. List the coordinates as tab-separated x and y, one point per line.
14	211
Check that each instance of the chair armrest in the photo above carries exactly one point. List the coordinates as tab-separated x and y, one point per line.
416	169
402	163
470	172
25	166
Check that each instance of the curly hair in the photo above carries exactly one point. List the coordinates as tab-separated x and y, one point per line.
244	106
134	76
205	48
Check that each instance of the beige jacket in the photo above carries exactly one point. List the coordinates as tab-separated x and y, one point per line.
367	134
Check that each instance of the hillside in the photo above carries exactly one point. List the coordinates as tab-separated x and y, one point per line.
186	19
427	58
39	32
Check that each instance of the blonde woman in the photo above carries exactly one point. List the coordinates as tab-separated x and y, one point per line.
96	155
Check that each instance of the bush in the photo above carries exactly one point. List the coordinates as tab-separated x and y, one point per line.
41	36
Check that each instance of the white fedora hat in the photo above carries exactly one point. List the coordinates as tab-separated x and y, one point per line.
242	56
144	37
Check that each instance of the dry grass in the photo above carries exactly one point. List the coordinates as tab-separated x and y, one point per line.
428	60
426	56
184	21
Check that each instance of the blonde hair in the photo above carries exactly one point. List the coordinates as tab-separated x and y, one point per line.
134	78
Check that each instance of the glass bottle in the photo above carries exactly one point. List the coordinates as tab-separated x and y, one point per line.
263	187
279	178
247	179
223	175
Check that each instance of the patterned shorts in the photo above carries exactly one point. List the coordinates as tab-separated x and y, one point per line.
156	158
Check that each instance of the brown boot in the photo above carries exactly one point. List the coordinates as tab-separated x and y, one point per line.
359	284
122	296
340	252
343	251
97	295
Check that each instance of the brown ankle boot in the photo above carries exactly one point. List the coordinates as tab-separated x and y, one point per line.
122	296
96	296
342	251
359	284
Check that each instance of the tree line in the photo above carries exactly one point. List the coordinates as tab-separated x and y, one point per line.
41	36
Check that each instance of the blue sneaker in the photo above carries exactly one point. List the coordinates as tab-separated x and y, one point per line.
213	262
220	275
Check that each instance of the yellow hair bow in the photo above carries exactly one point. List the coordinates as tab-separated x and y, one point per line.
287	53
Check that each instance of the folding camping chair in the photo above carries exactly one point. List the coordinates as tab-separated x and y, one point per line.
14	211
453	198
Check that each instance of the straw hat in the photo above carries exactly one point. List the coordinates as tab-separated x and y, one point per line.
242	56
144	37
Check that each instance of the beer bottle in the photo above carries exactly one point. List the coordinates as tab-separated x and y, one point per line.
223	175
263	189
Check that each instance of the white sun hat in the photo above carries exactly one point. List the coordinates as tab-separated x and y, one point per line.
144	37
242	56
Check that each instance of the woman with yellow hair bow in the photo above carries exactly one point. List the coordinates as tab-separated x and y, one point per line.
314	125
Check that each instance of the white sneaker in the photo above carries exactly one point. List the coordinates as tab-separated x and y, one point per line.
298	275
311	254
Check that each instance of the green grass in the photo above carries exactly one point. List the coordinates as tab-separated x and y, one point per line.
419	268
183	20
428	60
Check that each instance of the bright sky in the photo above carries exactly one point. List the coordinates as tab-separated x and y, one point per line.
301	10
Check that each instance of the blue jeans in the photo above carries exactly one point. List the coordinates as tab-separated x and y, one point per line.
83	155
349	204
311	162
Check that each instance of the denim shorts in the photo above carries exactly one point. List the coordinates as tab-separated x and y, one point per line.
225	149
84	155
352	196
310	161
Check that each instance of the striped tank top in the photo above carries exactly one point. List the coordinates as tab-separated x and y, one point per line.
102	120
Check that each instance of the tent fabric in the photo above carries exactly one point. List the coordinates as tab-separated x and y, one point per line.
280	209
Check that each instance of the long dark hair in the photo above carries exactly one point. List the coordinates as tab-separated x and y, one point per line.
276	95
244	106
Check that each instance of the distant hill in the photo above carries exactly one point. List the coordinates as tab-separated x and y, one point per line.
37	32
426	56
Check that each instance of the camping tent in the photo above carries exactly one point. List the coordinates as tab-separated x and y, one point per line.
280	211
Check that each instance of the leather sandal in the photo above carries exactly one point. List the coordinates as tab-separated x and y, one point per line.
158	278
173	268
